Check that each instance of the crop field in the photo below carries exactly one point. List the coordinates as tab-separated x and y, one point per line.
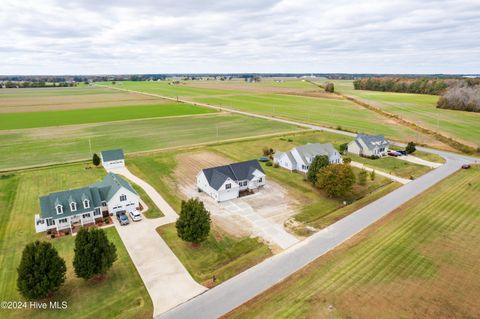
316	107
53	99
324	111
166	89
39	146
22	120
19	203
419	262
421	109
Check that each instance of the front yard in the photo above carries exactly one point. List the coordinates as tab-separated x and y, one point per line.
122	292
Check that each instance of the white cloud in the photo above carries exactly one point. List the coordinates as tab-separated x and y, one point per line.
92	36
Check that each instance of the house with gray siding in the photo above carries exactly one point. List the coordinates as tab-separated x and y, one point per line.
369	145
299	158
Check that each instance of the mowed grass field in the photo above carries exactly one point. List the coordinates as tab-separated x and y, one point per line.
332	112
421	109
12	121
419	262
122	293
39	146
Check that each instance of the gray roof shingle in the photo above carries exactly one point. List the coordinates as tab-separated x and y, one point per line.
373	141
216	176
112	155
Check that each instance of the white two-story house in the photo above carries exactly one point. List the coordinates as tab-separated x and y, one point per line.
299	158
82	206
227	182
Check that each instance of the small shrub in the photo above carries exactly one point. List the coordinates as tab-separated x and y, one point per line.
339	128
290	140
67	233
275	165
269	163
347	160
52	236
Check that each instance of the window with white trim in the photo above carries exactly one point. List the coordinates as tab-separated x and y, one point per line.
123	198
59	209
86	215
63	220
73	206
97	211
228	186
86	203
260	180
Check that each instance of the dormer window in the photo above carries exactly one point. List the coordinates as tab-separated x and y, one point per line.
86	203
59	209
123	198
73	206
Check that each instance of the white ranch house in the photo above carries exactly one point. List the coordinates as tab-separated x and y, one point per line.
299	158
227	182
77	207
112	159
369	145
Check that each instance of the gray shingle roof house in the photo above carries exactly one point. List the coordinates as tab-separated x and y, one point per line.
299	158
112	158
369	145
59	210
226	182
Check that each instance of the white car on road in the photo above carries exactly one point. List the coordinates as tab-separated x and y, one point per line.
135	215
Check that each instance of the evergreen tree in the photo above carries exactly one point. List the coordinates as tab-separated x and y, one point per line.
41	270
319	162
193	225
410	148
94	253
96	159
372	175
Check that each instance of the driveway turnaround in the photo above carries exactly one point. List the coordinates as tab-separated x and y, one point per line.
419	161
166	279
243	287
390	176
263	228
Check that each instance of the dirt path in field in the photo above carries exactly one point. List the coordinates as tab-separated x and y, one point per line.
271	204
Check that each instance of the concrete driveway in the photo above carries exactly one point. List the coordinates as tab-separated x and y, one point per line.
166	279
390	176
419	161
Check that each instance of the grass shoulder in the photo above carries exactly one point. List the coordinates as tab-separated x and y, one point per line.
152	211
221	255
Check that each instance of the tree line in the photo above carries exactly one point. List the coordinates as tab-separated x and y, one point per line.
28	84
455	94
402	85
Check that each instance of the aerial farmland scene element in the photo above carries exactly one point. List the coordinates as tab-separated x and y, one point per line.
239	159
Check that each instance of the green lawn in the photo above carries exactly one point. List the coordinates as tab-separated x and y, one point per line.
419	262
393	166
421	109
12	121
153	211
68	143
220	255
38	92
122	292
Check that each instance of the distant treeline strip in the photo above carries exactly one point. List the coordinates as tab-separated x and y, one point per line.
456	94
28	84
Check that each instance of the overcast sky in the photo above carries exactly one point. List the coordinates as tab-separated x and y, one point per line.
194	36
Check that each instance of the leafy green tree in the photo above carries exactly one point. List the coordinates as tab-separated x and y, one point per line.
96	159
411	147
41	270
343	148
336	180
193	224
319	162
347	160
362	177
94	253
329	87
372	175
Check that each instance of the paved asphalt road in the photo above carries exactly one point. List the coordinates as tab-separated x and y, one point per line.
243	287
